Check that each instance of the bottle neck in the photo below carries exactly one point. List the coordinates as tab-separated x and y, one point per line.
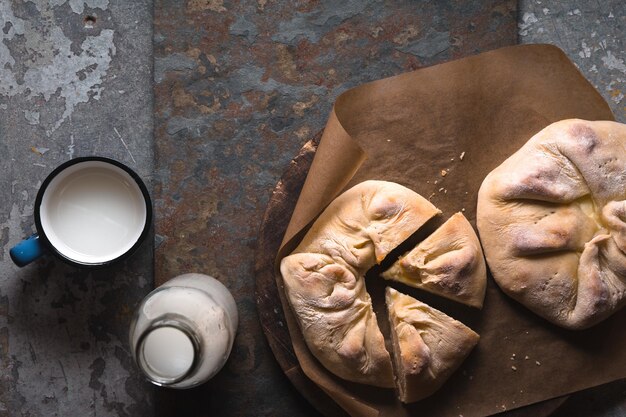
169	350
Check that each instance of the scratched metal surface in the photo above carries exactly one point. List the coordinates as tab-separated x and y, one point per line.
239	88
68	88
593	35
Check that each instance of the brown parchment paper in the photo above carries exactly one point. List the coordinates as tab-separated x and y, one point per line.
408	129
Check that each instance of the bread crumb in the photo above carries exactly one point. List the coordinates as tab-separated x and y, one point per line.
466	193
445	191
537	363
526	357
451	159
431	196
441	189
444	172
463	209
435	182
388	140
427	182
462	156
514	368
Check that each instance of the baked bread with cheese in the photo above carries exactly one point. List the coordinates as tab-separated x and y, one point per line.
552	221
428	345
324	276
448	263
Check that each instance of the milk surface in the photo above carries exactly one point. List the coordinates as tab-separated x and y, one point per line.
168	352
93	212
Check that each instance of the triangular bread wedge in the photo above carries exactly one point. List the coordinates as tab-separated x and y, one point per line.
324	276
428	346
448	263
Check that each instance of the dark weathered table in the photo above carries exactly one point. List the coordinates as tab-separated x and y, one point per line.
239	87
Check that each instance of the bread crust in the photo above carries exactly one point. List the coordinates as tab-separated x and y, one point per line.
449	263
428	345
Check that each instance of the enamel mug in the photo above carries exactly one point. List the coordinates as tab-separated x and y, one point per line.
89	212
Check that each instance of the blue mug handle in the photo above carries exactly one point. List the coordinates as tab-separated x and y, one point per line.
27	250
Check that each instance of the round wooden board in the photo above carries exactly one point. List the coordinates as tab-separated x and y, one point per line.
275	221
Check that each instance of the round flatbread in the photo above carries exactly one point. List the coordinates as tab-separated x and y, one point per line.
552	221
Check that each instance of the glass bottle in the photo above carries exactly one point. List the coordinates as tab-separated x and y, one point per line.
182	332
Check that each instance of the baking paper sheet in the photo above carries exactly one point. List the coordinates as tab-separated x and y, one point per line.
462	118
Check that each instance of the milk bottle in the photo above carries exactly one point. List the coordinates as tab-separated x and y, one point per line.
182	333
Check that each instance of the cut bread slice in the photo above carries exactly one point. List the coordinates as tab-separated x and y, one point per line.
428	345
448	263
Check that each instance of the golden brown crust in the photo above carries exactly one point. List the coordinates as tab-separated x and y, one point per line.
324	276
448	263
428	345
552	222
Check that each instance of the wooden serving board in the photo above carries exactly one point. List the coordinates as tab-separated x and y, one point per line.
275	221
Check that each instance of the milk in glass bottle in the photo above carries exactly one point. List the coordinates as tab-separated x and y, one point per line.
182	332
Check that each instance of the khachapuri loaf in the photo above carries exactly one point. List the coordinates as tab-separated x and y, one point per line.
552	221
325	285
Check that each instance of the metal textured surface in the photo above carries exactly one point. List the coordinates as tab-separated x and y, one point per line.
239	87
591	33
75	80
